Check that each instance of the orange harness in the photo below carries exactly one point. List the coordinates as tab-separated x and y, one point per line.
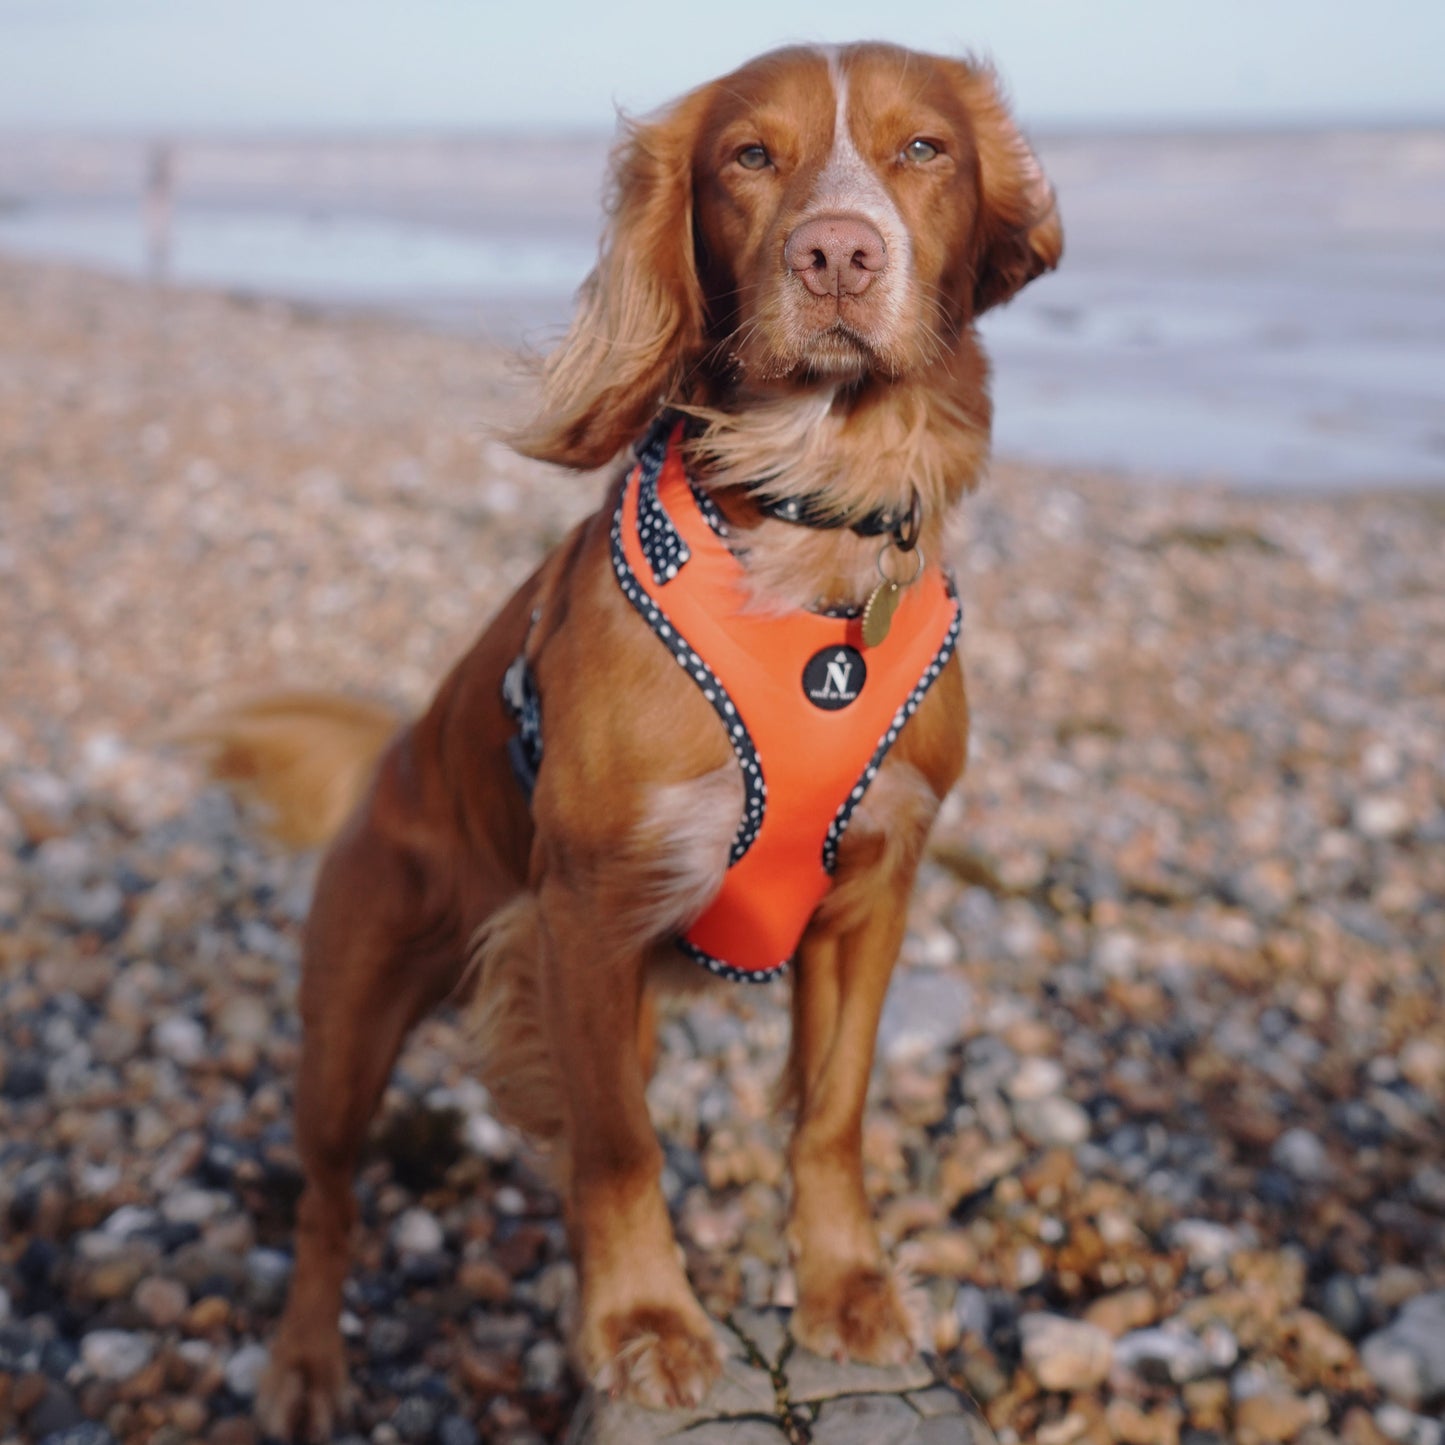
809	712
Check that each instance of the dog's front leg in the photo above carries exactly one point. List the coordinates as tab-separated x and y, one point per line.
849	1304
643	1333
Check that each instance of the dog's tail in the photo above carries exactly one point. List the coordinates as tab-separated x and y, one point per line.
306	757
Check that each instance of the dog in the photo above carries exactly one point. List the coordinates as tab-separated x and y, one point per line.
715	724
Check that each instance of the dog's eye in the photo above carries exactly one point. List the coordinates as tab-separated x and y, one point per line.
919	150
754	158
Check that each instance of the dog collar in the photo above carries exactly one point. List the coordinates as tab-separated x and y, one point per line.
808	510
811	510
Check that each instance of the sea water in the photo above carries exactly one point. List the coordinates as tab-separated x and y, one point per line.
1262	311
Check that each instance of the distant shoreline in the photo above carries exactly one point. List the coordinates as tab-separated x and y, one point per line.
1261	309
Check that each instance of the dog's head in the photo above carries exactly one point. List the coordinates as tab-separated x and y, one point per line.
819	215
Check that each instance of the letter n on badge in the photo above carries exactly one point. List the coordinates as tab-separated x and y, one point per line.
834	677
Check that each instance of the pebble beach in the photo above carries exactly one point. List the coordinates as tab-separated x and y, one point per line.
1158	1127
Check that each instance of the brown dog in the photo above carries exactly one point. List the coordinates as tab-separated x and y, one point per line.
794	261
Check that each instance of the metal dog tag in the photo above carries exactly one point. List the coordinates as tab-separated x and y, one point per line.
878	612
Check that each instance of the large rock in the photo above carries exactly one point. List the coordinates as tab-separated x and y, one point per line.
770	1385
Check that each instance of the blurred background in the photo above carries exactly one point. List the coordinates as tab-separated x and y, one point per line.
1158	1122
1254	195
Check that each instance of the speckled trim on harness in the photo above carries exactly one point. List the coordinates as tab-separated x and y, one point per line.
654	535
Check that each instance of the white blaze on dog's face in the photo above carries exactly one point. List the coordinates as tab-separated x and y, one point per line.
847	206
852	253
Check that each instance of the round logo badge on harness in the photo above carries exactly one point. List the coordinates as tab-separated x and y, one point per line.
834	676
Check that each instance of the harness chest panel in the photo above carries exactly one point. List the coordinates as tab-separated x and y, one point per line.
810	712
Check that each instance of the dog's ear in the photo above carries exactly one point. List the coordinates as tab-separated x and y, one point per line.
1019	234
639	320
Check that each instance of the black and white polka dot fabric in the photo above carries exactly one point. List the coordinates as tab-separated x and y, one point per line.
727	971
664	549
755	789
709	509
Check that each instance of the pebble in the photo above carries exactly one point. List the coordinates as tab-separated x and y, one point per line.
115	1354
245	1019
162	1302
1116	954
1051	1122
114	1277
1406	1359
1065	1354
510	1201
1206	1243
544	1365
940	1254
1422	1062
1399	1424
1427	1188
87	1432
492	1140
1343	1306
96	905
925	1010
417	1232
194	1206
1129	1309
457	1430
1130	1425
236	1430
189	1416
267	1275
180	1038
971	1310
1302	1154
1273	1416
1395	1285
1163	1355
124	1223
415	1418
388	1338
1035	1078
56	1410
208	1315
1066	1430
244	1370
1382	815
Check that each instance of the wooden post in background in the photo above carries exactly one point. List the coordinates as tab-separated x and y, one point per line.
159	209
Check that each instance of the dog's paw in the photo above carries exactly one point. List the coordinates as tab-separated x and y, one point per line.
305	1392
859	1315
657	1358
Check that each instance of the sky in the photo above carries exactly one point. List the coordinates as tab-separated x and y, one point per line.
249	65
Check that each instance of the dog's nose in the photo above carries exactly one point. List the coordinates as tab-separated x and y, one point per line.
836	255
